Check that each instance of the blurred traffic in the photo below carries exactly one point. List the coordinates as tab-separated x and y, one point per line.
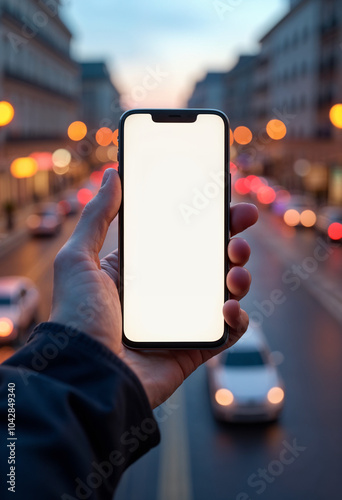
224	435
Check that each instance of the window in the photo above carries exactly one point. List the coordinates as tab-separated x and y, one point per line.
244	358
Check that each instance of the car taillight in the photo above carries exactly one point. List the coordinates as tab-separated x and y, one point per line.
335	231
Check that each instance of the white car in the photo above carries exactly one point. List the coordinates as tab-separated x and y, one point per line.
244	383
19	304
46	219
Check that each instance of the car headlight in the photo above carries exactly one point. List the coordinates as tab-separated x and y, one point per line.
224	397
275	395
292	217
308	218
6	327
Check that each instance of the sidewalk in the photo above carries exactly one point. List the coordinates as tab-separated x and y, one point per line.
19	234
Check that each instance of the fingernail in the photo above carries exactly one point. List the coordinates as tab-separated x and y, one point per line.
105	176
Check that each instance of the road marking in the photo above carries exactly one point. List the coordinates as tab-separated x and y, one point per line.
174	482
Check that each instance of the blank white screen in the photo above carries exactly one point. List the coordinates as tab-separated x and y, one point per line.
173	229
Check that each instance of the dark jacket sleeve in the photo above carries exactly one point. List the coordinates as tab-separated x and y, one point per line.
81	418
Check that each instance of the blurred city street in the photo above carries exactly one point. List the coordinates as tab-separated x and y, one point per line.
200	458
68	70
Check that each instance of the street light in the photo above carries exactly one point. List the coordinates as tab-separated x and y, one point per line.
335	115
276	129
24	167
6	113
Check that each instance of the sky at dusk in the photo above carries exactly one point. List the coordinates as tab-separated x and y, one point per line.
175	42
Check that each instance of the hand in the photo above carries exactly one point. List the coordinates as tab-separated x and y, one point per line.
85	293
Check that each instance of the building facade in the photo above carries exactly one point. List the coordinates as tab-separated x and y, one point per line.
41	80
100	98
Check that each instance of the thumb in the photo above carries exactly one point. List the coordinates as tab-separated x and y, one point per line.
97	215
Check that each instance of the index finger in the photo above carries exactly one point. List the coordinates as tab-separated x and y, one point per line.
242	216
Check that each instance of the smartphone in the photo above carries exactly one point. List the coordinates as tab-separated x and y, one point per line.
174	227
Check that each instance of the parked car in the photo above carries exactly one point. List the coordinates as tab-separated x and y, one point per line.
46	219
244	383
300	211
329	223
19	304
69	203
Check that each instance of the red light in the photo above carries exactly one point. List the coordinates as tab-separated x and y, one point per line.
114	165
84	196
44	160
96	178
233	168
335	231
255	184
241	186
266	195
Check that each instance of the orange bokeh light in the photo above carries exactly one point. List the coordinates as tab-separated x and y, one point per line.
6	113
24	167
275	395
84	195
77	131
231	137
291	217
276	129
308	218
115	137
335	231
104	136
243	135
224	397
335	115
6	327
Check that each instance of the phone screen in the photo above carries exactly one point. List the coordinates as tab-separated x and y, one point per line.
174	228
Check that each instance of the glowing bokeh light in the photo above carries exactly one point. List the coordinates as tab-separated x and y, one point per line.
243	135
113	164
84	195
231	137
96	178
224	397
101	153
291	217
266	195
275	395
308	218
112	153
241	186
60	170
276	129
77	131
335	231
104	136
61	158
115	137
302	167
24	167
233	168
6	327
43	159
6	113
335	115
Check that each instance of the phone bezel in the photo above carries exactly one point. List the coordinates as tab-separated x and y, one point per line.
175	115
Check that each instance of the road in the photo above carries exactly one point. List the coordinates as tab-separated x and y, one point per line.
199	459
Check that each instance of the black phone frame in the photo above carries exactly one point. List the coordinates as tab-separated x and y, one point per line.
174	116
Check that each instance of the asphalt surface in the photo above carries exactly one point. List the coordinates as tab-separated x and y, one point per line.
297	458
